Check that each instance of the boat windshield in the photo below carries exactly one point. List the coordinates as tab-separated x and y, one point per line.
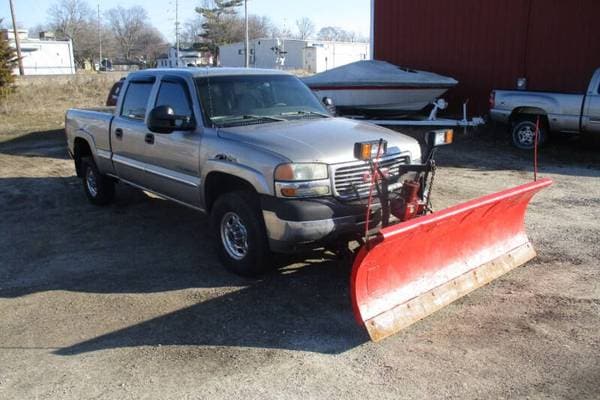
252	99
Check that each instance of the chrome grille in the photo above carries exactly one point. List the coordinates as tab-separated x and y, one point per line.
349	179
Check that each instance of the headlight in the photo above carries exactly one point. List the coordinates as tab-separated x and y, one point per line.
301	172
302	180
302	189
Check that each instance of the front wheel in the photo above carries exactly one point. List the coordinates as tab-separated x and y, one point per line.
523	134
242	241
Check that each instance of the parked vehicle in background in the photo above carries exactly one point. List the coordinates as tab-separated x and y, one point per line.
113	95
557	112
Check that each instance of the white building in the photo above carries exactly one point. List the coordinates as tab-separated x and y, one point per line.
187	58
311	55
42	56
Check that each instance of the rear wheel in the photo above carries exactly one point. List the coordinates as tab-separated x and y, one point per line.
241	235
523	133
99	188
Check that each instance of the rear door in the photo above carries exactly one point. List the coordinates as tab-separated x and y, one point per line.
129	131
174	159
590	119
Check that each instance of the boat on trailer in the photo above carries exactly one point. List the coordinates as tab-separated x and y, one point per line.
378	88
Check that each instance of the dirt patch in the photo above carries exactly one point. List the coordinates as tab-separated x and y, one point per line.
130	301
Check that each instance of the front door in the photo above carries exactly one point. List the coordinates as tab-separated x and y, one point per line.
174	167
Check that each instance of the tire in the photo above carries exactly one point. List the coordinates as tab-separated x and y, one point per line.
523	133
98	188
241	235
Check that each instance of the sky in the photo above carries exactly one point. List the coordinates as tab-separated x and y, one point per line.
353	15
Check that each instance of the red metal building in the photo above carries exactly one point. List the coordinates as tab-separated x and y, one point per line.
488	44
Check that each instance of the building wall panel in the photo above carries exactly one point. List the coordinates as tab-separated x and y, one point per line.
489	44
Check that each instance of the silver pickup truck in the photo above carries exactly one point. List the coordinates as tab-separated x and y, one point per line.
254	149
558	112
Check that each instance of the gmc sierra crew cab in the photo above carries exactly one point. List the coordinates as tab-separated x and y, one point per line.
254	149
557	112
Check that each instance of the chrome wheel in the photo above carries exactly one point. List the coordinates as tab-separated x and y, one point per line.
91	182
526	136
234	236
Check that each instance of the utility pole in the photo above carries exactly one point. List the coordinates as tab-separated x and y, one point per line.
17	40
247	36
99	38
177	31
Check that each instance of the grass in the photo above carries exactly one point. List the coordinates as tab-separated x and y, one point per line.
39	103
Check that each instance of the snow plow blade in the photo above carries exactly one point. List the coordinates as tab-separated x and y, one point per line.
414	268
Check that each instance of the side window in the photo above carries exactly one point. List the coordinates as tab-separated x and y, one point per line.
136	100
175	95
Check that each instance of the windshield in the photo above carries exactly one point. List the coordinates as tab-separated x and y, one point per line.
250	99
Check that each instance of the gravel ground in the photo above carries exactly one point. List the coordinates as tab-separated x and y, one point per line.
129	301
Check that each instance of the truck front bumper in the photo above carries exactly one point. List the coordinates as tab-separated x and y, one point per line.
296	225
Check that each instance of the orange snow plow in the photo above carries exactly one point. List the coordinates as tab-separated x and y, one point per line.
409	270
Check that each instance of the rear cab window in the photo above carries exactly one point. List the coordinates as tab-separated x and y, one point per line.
135	102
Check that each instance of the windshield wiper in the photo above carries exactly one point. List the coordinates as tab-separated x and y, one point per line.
269	117
248	118
302	112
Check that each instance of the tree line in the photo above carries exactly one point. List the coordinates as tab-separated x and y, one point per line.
125	32
127	35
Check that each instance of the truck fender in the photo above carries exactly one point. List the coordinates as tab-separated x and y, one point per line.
81	134
254	177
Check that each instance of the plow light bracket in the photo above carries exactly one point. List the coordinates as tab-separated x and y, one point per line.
366	151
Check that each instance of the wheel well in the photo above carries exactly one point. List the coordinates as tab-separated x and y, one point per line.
81	149
218	183
529	114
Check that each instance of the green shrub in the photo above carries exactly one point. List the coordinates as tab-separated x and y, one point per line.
8	61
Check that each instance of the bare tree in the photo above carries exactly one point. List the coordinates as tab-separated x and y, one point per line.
285	32
191	31
331	33
258	27
73	19
334	33
306	28
128	25
150	45
34	31
69	17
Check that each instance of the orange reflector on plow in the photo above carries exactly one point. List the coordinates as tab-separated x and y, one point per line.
414	268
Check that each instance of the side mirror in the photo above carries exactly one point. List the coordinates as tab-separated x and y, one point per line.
162	119
328	103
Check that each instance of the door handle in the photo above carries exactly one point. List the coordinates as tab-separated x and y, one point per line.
119	133
149	138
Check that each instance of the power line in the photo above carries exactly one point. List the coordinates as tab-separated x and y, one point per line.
247	36
99	38
17	39
177	31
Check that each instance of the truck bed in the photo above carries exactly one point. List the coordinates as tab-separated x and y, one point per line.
94	125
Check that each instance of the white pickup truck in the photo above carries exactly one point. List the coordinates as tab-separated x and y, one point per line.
558	112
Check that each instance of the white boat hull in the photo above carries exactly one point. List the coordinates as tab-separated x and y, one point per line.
381	99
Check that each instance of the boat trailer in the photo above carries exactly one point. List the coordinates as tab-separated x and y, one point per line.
430	120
